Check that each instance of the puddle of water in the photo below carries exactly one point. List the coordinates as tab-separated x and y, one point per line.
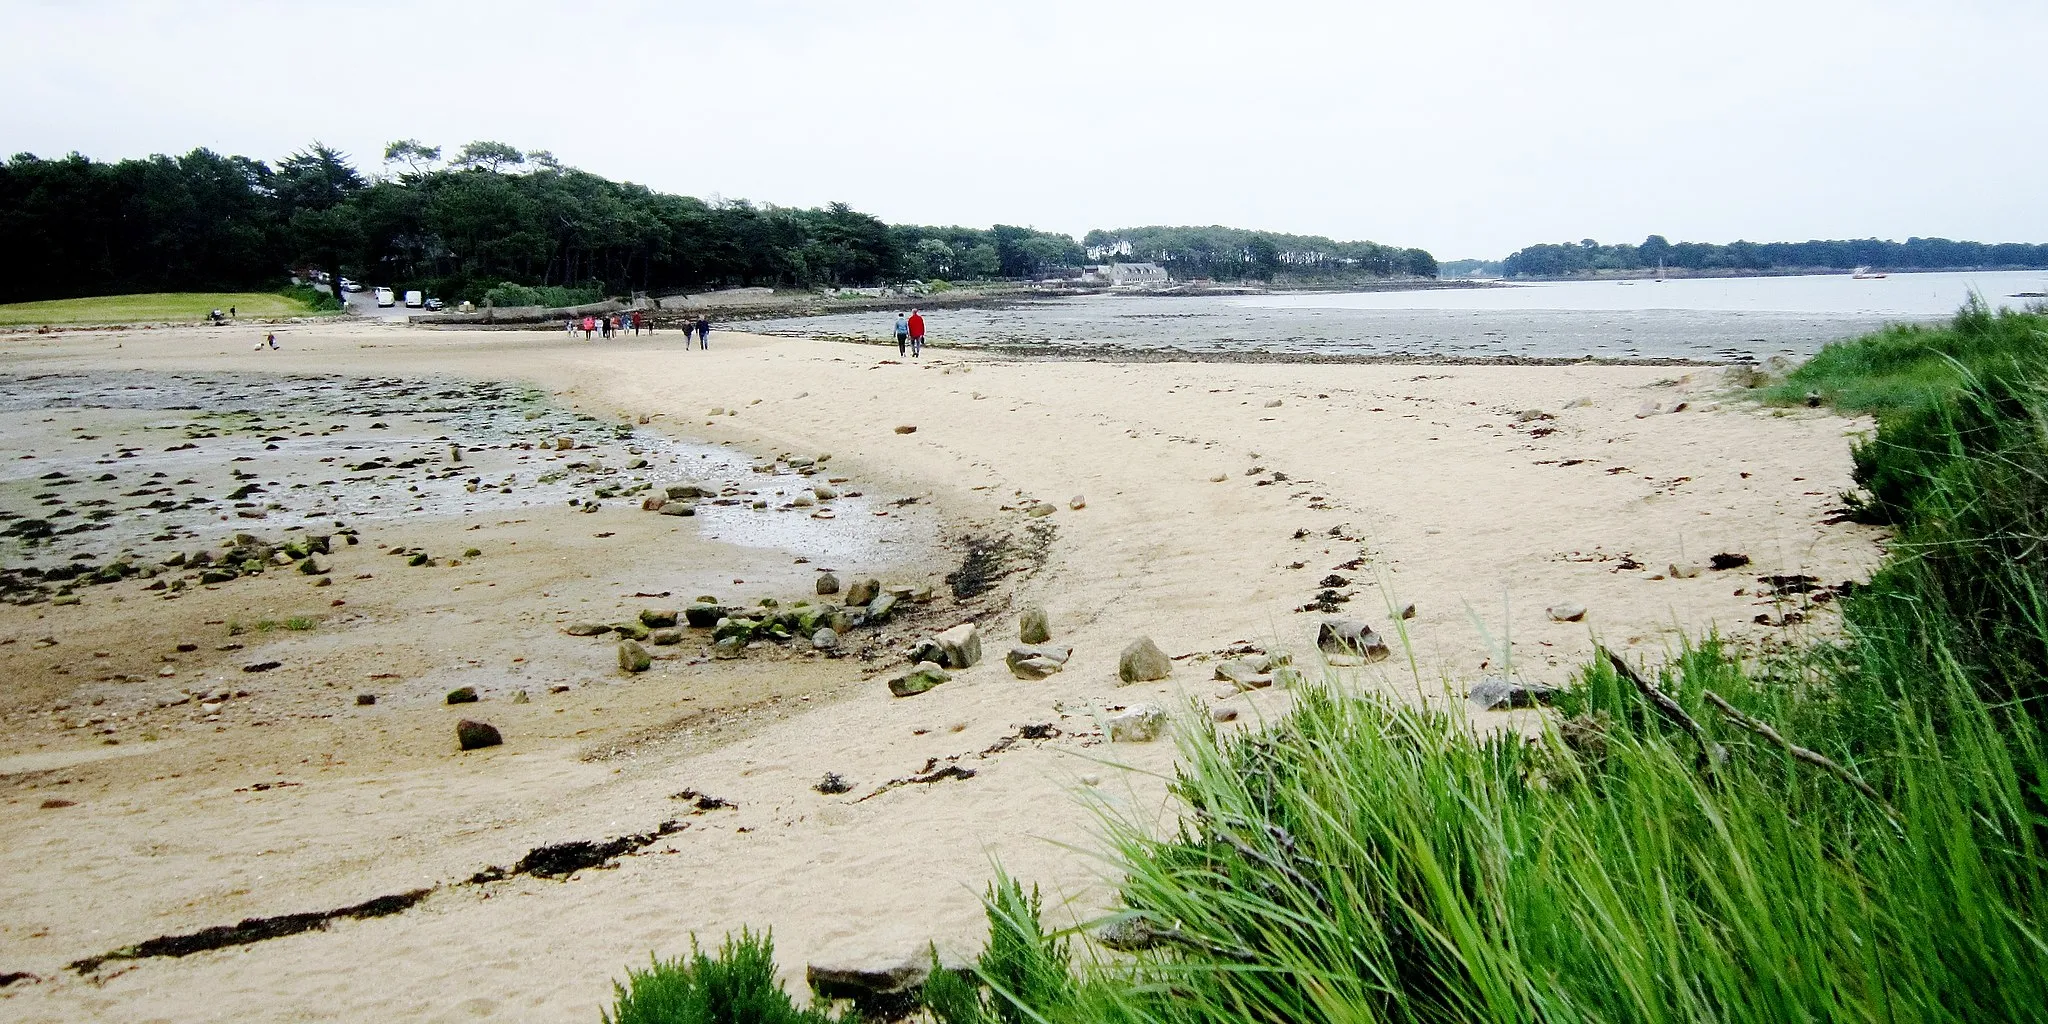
148	464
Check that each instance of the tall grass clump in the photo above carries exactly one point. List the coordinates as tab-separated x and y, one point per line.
735	986
1854	832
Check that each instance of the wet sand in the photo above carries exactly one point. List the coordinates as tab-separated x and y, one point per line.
1364	487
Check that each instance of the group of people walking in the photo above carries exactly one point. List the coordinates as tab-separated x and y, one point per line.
606	325
910	334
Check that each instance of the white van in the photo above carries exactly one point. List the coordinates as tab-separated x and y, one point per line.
414	300
385	299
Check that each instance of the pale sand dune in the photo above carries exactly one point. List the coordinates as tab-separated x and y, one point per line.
1477	523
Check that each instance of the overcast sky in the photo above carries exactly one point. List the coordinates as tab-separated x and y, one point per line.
1468	128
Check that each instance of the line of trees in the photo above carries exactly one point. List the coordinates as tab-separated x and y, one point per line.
1235	254
455	227
1590	257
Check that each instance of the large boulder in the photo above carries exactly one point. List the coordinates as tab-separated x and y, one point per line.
828	583
1032	626
1350	637
1142	662
879	991
825	638
473	735
920	678
633	657
1136	724
880	608
704	615
863	592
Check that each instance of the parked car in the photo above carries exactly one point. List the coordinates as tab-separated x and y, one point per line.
414	299
386	299
350	286
434	304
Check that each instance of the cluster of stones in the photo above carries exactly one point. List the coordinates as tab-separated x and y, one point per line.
246	555
682	499
734	629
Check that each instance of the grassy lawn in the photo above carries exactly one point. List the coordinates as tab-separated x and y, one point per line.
160	307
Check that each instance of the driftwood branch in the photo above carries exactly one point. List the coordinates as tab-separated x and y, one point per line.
1812	757
1711	753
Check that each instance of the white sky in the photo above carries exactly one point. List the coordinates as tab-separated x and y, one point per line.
1468	128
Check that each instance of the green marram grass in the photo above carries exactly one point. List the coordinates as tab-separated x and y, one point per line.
158	307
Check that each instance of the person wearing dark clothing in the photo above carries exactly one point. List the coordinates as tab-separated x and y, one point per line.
703	332
902	335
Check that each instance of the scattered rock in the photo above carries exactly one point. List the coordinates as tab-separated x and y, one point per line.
1223	713
863	591
880	608
833	784
474	735
1077	502
57	803
704	615
824	493
656	618
1041	510
678	508
1032	625
920	678
462	695
633	657
1272	403
906	429
1037	662
520	697
828	583
960	646
825	639
1682	572
1494	693
1349	637
730	648
1566	612
364	700
1219	478
1142	661
1408	610
1136	724
631	630
667	636
1245	673
261	666
886	991
1746	375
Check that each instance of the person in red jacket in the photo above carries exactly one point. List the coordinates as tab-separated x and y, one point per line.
916	333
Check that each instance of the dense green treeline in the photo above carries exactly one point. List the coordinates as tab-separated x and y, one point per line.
490	214
1589	256
1235	254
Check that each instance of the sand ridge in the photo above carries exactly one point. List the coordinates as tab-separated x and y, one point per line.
1408	483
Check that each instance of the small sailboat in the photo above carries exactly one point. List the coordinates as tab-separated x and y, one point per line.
1864	274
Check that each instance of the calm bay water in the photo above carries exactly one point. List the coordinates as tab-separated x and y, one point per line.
1710	319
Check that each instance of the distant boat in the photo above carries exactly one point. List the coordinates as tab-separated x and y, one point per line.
1864	274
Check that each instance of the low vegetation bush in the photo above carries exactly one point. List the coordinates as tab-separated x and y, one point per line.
737	985
507	294
315	300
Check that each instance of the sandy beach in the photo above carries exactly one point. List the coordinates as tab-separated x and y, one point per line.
1201	504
